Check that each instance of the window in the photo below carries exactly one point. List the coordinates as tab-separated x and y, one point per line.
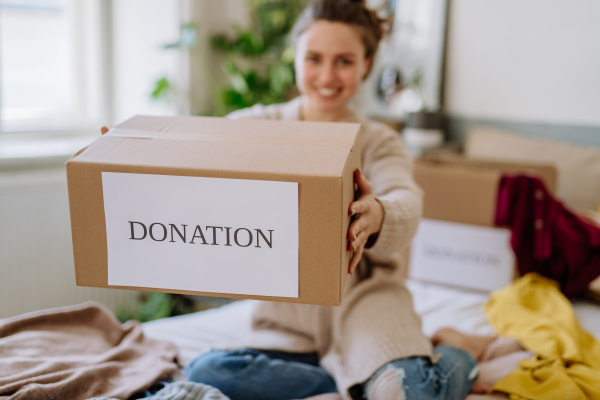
51	65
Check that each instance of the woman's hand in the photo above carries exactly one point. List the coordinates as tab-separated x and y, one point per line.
368	220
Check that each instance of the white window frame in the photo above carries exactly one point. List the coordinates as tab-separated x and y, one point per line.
33	148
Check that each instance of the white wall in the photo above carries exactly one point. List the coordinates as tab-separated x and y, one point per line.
139	29
212	17
524	60
36	252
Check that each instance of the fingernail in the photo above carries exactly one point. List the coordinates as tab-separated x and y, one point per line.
353	248
353	212
354	240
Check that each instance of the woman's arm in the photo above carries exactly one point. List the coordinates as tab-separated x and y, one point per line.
388	189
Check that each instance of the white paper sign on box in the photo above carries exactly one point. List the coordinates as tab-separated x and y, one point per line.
461	255
202	234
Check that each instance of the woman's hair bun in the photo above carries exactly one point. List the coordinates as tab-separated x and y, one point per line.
353	12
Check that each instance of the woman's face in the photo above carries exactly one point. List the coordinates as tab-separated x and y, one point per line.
330	65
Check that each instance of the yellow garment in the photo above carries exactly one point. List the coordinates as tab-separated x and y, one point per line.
566	365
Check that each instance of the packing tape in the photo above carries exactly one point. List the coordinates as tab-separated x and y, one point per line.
225	137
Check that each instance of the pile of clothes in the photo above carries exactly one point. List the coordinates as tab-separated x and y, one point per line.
546	236
558	254
77	353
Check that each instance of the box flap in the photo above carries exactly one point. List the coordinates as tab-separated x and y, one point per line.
248	130
546	172
206	143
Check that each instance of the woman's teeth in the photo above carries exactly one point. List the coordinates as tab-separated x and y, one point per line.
327	92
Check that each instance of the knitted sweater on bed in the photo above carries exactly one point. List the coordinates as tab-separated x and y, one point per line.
376	322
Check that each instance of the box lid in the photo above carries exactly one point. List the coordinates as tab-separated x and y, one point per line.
546	172
208	143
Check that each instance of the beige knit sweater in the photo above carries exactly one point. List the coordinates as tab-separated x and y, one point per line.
376	322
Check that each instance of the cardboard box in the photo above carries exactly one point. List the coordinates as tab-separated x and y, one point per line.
251	209
464	190
457	242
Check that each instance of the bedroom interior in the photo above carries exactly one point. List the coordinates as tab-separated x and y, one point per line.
498	102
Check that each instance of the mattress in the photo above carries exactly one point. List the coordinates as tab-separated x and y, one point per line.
437	305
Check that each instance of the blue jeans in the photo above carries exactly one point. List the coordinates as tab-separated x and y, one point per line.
250	374
261	375
450	378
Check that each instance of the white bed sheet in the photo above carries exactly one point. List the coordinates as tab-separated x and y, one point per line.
195	333
462	309
437	305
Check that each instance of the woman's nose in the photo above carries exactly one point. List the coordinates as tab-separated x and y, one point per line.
327	74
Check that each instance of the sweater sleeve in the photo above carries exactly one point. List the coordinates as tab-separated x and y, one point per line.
389	168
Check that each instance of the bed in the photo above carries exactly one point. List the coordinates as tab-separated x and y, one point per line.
437	305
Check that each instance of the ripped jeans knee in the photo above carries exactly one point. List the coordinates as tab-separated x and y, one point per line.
387	383
418	378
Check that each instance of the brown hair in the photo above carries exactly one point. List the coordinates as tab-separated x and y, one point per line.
353	12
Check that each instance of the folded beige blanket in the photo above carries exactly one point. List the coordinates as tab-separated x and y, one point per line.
78	352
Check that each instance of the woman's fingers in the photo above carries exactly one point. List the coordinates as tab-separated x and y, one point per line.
361	241
352	244
357	232
364	186
355	259
359	207
357	227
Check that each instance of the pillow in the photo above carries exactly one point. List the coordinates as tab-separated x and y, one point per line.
578	166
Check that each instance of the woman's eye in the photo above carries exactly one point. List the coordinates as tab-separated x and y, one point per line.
313	59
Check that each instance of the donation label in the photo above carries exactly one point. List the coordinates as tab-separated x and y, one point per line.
202	234
462	255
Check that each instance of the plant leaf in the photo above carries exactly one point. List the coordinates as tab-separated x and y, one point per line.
162	89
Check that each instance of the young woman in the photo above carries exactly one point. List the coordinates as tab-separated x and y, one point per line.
372	345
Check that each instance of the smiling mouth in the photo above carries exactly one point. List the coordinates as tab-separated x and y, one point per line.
327	92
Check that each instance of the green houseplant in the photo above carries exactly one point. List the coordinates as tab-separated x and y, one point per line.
257	65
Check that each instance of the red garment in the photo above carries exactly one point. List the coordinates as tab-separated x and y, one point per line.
546	237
